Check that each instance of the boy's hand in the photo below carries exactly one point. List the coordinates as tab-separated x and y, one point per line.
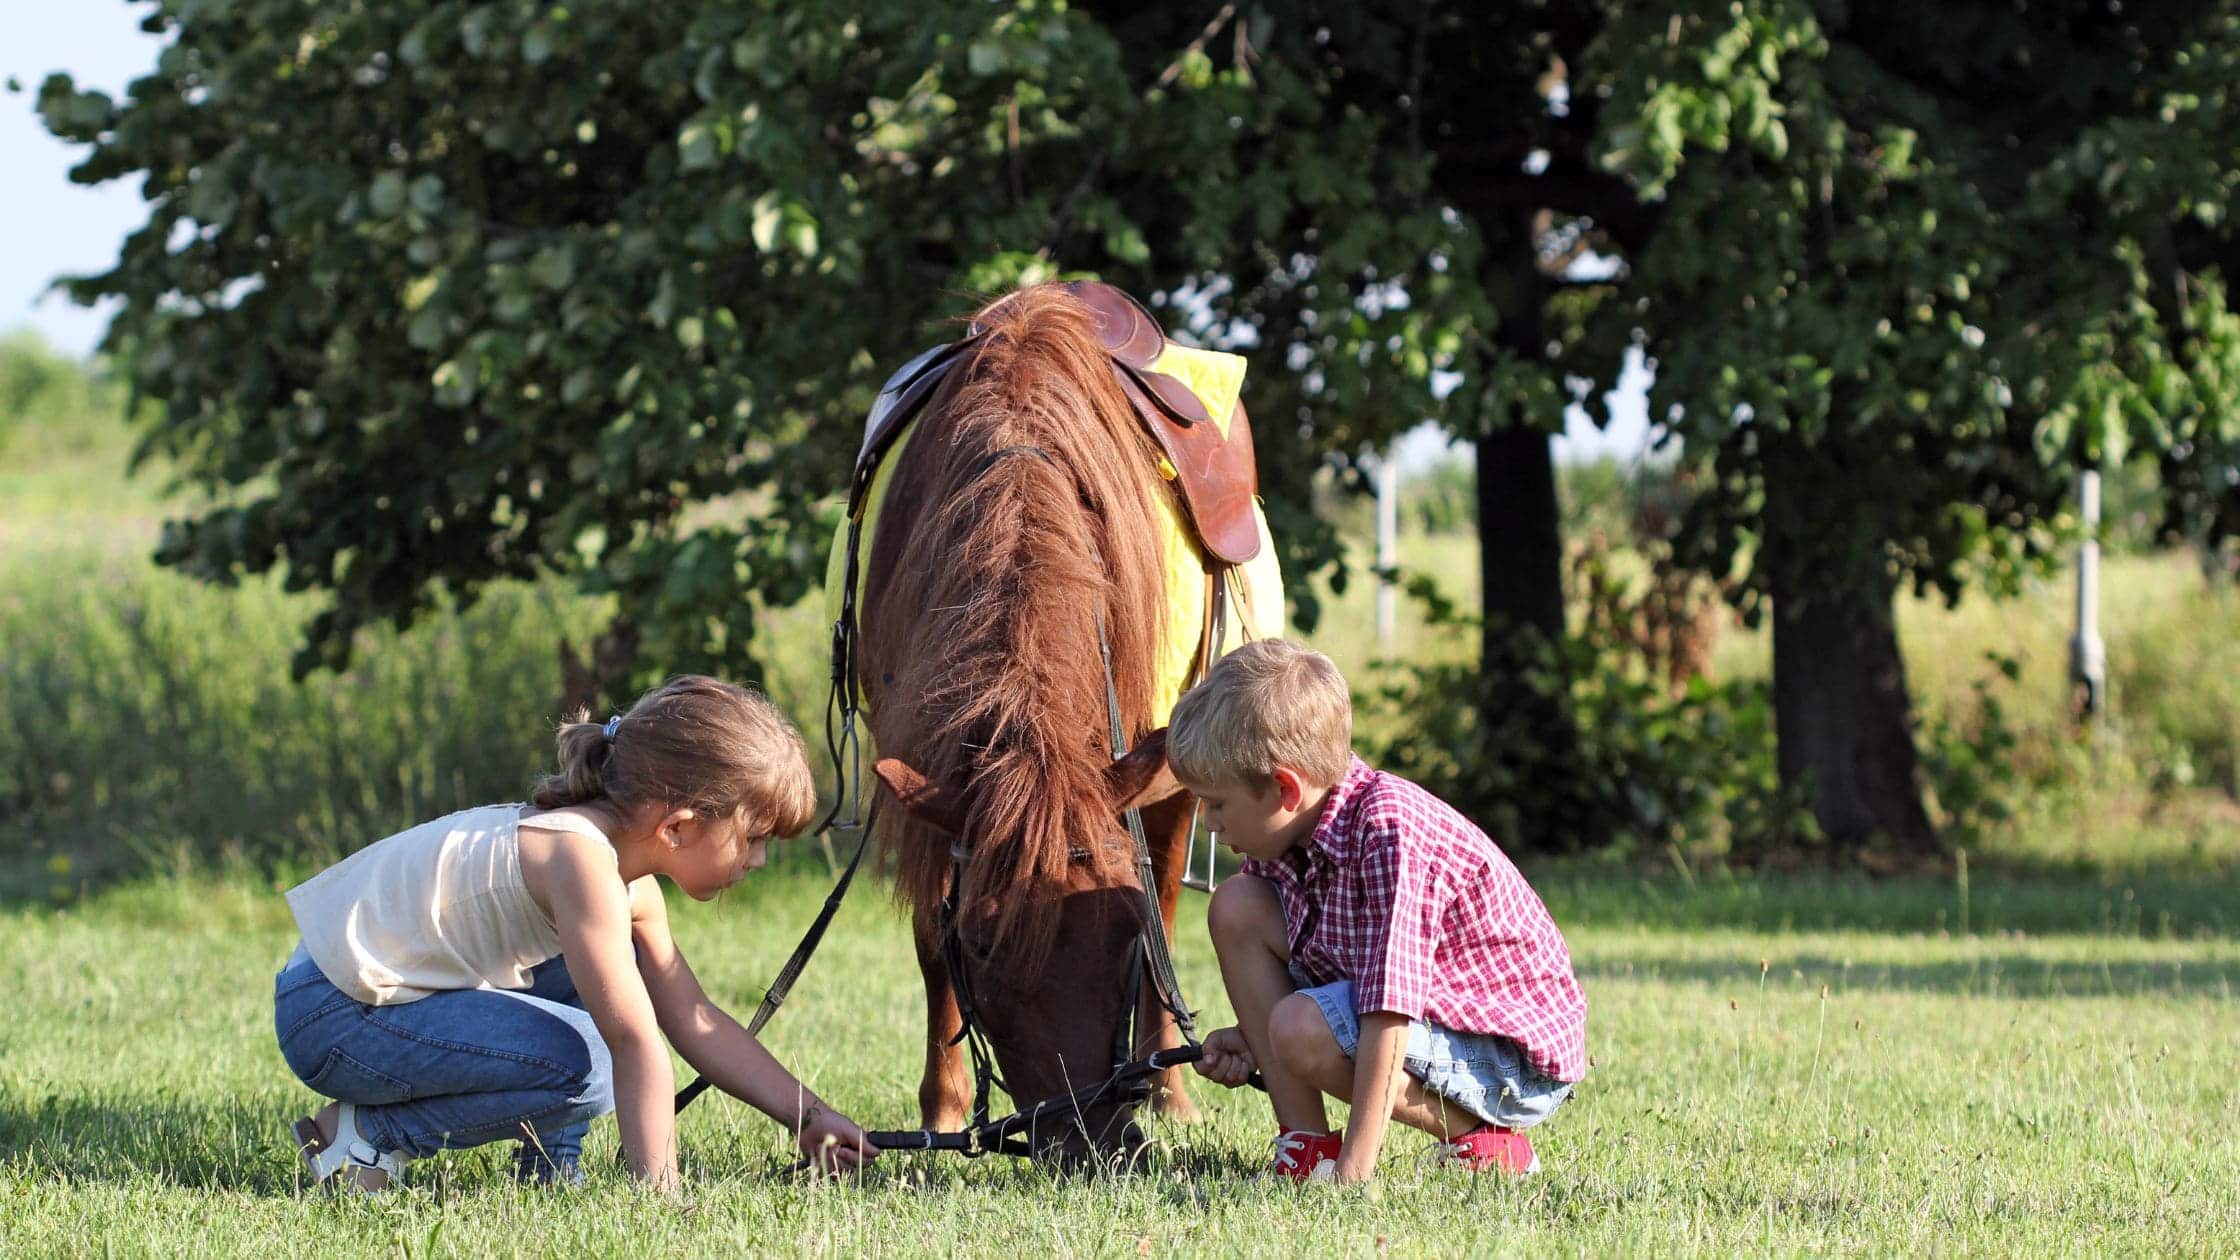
1227	1060
1354	1167
832	1143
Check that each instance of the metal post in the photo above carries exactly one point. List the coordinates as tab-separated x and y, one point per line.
2088	656
1388	543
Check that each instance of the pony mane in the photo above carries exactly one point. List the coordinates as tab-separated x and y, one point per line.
1023	508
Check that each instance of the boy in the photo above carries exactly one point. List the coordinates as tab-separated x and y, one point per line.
1377	947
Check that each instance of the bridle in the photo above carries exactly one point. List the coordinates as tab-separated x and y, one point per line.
1130	1080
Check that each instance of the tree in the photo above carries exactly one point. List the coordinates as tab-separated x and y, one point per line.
445	291
441	292
1911	270
1416	186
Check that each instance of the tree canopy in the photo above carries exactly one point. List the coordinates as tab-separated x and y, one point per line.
436	293
442	291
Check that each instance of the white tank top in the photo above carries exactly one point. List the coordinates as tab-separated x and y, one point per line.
438	907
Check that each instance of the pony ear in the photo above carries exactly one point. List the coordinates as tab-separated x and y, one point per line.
929	803
1142	777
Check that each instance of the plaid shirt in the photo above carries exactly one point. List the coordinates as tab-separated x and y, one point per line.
1400	894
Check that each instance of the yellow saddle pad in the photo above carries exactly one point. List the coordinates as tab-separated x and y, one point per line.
1255	588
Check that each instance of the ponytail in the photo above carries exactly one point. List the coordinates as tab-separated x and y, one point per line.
585	754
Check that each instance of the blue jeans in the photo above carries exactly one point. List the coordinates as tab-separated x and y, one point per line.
454	1069
1481	1073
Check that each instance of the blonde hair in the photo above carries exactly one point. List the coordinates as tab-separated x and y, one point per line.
1269	703
693	742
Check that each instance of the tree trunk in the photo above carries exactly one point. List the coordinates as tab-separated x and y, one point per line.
1842	714
1523	694
1523	688
1520	544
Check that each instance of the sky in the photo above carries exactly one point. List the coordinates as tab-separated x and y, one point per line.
54	227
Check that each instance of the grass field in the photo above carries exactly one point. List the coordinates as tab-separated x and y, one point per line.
2031	1056
1755	1090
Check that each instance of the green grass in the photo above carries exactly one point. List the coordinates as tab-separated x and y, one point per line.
1831	1087
2033	1059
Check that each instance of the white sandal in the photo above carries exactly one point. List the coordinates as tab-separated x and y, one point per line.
348	1149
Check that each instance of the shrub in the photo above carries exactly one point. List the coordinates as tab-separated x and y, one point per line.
151	718
1644	767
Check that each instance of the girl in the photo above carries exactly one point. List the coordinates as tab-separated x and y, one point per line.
507	971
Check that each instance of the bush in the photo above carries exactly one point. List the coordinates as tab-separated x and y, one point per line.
1443	497
1969	760
151	719
51	405
1642	768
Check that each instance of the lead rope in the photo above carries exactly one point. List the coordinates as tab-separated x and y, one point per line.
840	700
839	735
775	996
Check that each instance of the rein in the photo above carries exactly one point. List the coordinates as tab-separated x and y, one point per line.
1130	1078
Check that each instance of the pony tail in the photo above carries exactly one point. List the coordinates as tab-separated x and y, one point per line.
583	765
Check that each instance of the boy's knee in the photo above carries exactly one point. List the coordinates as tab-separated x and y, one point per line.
1244	911
1301	1037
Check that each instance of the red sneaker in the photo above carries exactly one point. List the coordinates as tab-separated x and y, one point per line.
1490	1148
1305	1156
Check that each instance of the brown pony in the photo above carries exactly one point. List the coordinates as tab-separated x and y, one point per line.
1022	508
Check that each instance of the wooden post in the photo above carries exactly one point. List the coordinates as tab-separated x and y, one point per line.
2088	655
1388	543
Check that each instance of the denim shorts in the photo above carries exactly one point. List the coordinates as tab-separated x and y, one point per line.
1482	1073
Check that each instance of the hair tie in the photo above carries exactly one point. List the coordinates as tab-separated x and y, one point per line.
613	724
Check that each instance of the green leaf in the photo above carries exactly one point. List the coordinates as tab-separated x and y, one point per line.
420	289
801	234
426	330
386	194
455	381
707	82
1664	127
696	146
413	48
554	266
537	43
1125	241
769	215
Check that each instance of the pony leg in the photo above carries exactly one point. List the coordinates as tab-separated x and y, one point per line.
1167	826
945	1092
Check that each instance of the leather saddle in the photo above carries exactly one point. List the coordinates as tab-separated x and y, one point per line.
1215	473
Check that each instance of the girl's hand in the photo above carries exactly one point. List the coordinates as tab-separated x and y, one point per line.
1227	1059
831	1142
